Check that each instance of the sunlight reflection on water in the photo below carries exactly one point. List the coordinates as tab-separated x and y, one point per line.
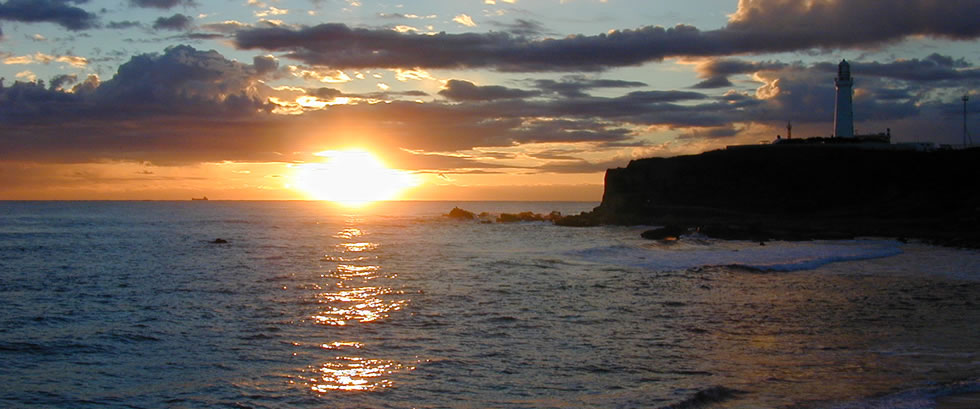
355	374
350	301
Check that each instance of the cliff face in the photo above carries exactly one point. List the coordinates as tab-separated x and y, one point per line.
795	184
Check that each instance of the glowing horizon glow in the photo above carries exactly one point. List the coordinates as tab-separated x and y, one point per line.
352	178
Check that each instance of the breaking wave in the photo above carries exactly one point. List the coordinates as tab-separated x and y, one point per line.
775	256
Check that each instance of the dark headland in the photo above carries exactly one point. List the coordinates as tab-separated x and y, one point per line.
800	192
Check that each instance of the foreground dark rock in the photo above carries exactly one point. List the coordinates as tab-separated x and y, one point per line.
664	233
703	398
800	193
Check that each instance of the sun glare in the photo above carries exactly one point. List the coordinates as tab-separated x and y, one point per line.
352	177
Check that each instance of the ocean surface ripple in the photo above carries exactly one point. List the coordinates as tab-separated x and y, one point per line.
135	304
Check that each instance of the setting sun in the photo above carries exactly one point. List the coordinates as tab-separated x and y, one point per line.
352	177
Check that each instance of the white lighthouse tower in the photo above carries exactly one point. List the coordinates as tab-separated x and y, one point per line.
843	113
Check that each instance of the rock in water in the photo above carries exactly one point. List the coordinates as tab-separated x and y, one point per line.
664	233
461	214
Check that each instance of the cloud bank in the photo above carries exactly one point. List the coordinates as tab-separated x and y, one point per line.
758	26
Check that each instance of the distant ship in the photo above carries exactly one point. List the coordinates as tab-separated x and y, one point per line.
199	198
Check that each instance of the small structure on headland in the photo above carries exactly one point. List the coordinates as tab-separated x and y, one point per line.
843	110
843	135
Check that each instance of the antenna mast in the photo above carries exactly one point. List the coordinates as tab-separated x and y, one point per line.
966	134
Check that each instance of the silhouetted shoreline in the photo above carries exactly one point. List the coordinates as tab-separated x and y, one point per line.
801	193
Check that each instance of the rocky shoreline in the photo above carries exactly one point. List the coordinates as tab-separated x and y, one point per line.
807	193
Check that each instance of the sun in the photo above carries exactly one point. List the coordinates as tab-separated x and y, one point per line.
351	177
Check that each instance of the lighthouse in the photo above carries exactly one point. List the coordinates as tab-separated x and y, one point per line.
843	113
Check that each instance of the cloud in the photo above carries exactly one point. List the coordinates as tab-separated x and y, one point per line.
60	81
459	90
758	26
465	20
725	66
176	22
182	80
186	105
265	63
121	25
312	73
52	11
161	4
933	68
225	27
26	75
577	165
713	132
522	27
405	16
793	25
574	86
718	81
41	58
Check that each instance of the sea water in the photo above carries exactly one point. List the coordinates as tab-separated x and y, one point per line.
309	304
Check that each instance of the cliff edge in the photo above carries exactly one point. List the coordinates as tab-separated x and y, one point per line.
801	192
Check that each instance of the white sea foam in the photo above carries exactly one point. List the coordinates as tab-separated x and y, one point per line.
774	256
920	398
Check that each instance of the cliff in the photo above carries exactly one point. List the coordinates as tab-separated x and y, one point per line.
799	192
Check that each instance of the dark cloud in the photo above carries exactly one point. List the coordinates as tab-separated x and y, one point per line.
264	64
60	81
717	81
203	36
59	12
339	46
120	25
581	166
794	25
555	154
758	26
459	90
328	94
932	68
176	22
711	132
574	86
648	97
182	81
726	66
161	4
521	27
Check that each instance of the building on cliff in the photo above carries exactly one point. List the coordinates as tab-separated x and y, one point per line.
843	111
843	134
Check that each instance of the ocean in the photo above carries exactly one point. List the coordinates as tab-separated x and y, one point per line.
314	305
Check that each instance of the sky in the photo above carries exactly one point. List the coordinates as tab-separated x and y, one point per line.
453	100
